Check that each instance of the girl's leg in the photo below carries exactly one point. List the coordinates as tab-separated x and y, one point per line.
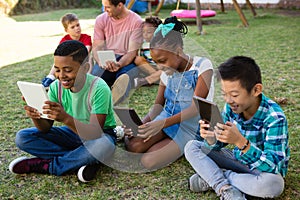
264	185
137	145
154	77
158	151
144	65
161	154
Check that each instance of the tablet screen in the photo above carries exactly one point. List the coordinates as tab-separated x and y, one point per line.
209	111
107	55
35	95
129	118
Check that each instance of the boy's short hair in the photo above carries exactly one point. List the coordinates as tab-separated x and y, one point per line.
241	68
72	48
68	18
153	20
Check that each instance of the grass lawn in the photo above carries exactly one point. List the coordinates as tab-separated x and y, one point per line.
272	39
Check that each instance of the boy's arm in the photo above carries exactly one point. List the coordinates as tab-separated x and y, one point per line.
40	123
272	154
90	131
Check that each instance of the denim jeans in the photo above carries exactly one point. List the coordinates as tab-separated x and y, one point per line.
109	77
64	148
219	168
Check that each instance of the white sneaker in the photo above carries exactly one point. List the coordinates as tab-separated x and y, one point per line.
87	173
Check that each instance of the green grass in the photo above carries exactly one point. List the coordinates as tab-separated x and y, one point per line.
271	39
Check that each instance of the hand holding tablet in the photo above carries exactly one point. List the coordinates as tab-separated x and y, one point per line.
129	118
35	95
209	112
106	55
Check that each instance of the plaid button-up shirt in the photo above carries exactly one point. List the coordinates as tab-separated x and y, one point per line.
267	132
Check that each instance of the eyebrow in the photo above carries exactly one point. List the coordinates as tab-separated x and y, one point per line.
63	67
236	91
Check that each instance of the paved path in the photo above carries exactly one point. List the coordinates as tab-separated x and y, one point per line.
20	41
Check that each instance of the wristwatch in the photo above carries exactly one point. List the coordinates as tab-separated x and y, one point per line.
245	146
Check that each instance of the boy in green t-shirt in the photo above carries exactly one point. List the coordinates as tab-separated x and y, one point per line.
83	103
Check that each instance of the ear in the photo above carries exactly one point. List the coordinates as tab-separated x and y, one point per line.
179	51
257	89
120	5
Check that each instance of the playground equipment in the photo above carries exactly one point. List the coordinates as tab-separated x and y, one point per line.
198	12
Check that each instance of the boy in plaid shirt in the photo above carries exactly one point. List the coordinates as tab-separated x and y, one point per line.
255	125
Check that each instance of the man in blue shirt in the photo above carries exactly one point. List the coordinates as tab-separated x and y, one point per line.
256	127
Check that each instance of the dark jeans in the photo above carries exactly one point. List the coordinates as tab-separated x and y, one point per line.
109	77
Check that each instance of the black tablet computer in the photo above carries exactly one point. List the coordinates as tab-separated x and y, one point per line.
209	111
129	118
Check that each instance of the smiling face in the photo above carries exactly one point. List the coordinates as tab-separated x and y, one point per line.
74	29
167	61
69	72
111	10
239	99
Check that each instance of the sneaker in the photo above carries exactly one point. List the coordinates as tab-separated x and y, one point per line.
197	184
139	82
232	193
119	88
87	173
24	165
46	82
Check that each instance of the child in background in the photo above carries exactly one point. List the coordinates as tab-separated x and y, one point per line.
72	27
83	103
255	125
144	60
172	121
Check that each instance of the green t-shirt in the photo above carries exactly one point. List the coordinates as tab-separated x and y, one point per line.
87	101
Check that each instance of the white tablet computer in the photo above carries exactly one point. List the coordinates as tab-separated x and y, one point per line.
106	55
209	111
129	118
35	95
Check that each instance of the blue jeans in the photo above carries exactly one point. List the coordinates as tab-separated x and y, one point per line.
109	77
219	168
64	148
